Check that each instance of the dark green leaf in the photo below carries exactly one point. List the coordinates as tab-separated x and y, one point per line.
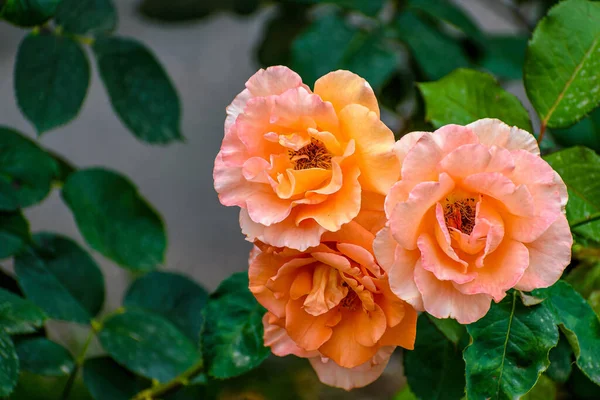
140	91
233	340
9	365
86	16
175	297
562	63
28	12
52	75
435	53
18	315
585	133
560	361
435	368
585	277
505	55
448	12
65	168
26	171
107	380
452	330
544	389
405	394
37	387
466	95
61	278
581	388
44	357
14	233
579	322
370	7
148	345
509	349
114	219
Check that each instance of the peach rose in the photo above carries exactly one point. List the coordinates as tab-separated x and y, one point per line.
296	162
476	212
332	304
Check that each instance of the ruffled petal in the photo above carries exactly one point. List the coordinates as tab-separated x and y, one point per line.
495	132
342	88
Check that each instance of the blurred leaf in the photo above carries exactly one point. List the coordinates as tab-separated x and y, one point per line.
509	349
52	75
26	171
28	12
505	56
83	17
581	388
61	278
44	357
14	233
140	91
405	394
38	387
450	328
466	95
18	315
9	365
370	7
175	297
448	12
594	300
107	380
233	340
435	53
585	133
187	10
560	361
114	219
148	345
435	368
65	168
585	278
579	322
544	389
564	91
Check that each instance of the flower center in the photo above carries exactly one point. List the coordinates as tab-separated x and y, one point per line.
351	301
460	214
313	155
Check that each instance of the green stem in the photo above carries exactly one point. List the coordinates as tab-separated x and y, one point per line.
180	380
78	363
586	220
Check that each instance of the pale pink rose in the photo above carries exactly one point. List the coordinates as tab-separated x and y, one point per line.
475	213
296	162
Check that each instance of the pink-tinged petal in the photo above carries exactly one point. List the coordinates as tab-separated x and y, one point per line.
501	270
495	132
230	184
401	277
444	241
298	108
420	163
374	148
255	170
273	81
442	300
349	378
342	88
488	232
280	342
406	142
236	108
530	169
450	137
407	217
336	261
384	248
502	161
398	193
516	199
352	232
466	160
433	259
267	209
549	255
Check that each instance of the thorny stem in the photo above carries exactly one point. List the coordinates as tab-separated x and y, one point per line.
180	380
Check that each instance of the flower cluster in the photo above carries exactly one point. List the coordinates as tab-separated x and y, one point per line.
354	232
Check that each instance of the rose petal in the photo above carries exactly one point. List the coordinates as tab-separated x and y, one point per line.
495	132
342	88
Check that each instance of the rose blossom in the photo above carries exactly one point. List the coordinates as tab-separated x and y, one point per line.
332	304
475	213
296	162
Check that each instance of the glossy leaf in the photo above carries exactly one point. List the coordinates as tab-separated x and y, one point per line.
52	75
86	16
504	56
18	315
140	91
174	296
448	12
9	365
148	345
452	330
435	368
28	12
233	340
26	171
579	322
509	349
44	357
107	380
584	133
560	361
14	233
466	95
61	278
563	89
114	219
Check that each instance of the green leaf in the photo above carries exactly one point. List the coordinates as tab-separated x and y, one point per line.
37	387
562	63
405	394
504	56
83	17
560	361
581	388
435	368
52	75
370	8
148	345
9	365
26	171
61	278
544	389
14	233
448	12
466	95
18	315
233	340
28	12
107	380
140	91
114	219
435	53
585	133
44	357
173	296
579	322
452	330
509	349
585	277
